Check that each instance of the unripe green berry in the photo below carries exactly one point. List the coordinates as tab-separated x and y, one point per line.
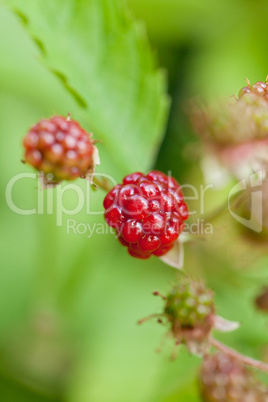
189	304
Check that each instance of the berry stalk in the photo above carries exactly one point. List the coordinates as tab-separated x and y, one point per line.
233	353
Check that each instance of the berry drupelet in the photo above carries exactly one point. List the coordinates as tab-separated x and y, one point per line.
59	148
147	212
260	88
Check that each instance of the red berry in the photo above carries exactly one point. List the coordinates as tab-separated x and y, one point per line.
168	201
114	217
169	236
162	250
137	207
149	189
149	243
132	231
142	256
110	197
132	178
155	175
123	242
154	224
59	147
147	212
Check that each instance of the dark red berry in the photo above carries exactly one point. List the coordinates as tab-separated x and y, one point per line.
149	189
142	256
132	231
154	224
59	147
147	212
162	250
110	197
137	207
149	243
114	217
169	236
132	178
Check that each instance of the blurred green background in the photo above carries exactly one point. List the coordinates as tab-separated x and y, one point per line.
69	304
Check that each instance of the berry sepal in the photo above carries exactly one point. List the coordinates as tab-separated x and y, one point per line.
175	256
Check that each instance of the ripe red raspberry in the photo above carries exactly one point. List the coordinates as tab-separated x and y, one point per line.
147	212
59	148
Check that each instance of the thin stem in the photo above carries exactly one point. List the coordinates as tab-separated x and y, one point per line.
244	359
102	183
149	318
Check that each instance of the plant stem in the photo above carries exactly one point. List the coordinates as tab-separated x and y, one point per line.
102	183
244	359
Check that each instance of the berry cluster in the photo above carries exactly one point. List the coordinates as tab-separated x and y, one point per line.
59	148
147	212
190	312
260	88
225	379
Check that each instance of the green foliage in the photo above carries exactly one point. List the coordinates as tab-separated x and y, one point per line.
103	59
69	304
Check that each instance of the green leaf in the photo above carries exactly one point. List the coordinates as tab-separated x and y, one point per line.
103	59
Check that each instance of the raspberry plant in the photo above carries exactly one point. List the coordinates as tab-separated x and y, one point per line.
112	87
147	212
